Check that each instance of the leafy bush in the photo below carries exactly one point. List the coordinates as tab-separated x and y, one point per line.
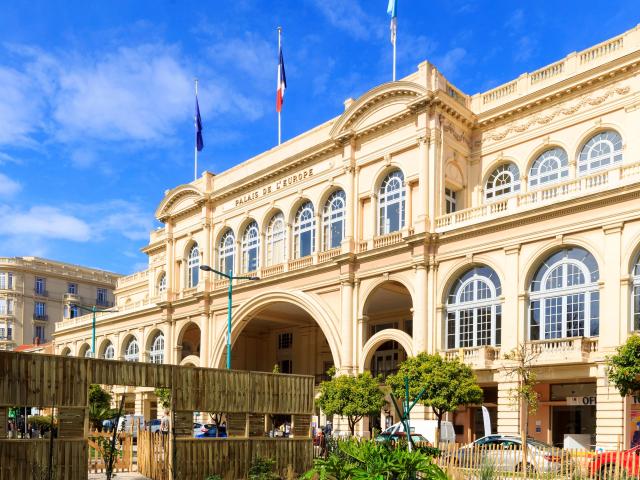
263	469
359	460
213	477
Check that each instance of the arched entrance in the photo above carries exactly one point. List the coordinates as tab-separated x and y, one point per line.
189	342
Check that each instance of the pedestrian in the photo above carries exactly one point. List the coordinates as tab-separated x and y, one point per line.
164	425
323	445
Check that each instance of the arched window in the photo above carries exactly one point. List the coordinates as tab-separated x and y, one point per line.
333	220
226	252
391	203
636	295
601	151
276	235
193	266
156	355
251	248
564	297
132	353
304	231
474	313
162	283
503	180
109	352
88	353
551	166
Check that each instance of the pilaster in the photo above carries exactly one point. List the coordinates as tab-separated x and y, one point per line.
420	335
508	408
610	412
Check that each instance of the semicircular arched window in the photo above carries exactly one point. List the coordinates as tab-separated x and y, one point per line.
391	203
474	311
333	220
564	297
636	295
132	351
600	151
109	352
551	166
276	236
193	266
304	231
503	180
156	354
251	248
226	252
162	283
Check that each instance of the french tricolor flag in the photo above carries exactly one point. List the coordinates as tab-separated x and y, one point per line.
282	83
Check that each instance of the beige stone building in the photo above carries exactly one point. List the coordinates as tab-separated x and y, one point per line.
36	293
420	219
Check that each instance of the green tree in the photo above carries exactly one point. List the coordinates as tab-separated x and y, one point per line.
351	396
624	367
447	384
164	397
99	406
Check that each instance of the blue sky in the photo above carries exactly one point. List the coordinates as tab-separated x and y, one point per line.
96	98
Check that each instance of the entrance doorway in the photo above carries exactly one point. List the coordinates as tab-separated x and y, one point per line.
578	422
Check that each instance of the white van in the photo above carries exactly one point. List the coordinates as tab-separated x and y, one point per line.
129	424
426	428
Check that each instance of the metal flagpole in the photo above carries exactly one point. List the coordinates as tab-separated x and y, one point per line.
279	84
394	55
195	146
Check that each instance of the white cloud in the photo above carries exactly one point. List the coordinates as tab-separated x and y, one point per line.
8	187
119	217
20	108
43	222
351	17
449	62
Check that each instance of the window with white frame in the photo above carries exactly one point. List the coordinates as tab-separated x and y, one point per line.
504	180
72	288
333	220
564	300
132	351
474	311
450	201
551	166
600	151
162	283
156	355
251	248
304	231
226	252
109	352
636	295
3	306
40	310
391	203
88	353
193	266
41	286
6	281
276	235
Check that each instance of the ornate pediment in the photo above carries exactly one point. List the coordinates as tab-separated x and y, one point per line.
378	106
178	200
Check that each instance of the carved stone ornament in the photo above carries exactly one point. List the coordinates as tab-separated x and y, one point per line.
461	137
544	118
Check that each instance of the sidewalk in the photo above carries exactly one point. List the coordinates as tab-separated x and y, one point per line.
118	476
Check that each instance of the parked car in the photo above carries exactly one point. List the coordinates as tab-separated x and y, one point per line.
153	425
211	431
426	428
394	438
504	453
129	424
196	428
625	463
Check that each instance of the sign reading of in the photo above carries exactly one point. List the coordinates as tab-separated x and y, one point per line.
585	401
275	186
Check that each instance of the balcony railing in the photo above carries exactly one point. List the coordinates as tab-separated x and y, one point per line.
71	298
563	350
6	338
298	263
476	357
328	254
40	317
40	292
386	240
103	302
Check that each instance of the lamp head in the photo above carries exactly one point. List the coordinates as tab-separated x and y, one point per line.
206	268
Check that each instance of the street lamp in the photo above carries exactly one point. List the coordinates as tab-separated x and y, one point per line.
229	276
93	309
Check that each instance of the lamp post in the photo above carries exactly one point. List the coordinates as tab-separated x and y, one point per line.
93	309
229	276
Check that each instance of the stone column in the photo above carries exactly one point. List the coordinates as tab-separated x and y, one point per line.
361	339
433	175
420	335
374	215
513	324
508	408
433	342
346	324
318	235
351	210
610	413
610	298
170	263
409	208
205	342
423	191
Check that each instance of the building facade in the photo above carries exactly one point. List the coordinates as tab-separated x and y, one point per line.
36	293
420	219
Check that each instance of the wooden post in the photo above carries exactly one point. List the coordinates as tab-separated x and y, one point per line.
3	422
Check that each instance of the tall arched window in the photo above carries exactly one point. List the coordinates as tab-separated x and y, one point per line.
304	231
503	180
251	248
333	220
276	235
162	283
601	151
193	266
551	166
132	352
474	313
636	295
226	252
564	297
391	203
109	352
156	354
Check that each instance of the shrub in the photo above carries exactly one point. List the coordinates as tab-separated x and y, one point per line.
263	469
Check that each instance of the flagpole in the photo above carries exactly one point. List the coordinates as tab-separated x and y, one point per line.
394	59
195	147
279	113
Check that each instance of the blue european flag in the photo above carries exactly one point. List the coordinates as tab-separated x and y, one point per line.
199	142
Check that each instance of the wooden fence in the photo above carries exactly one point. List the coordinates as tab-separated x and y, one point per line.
500	462
123	463
49	381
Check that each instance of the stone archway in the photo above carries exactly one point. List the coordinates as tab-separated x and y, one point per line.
189	341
